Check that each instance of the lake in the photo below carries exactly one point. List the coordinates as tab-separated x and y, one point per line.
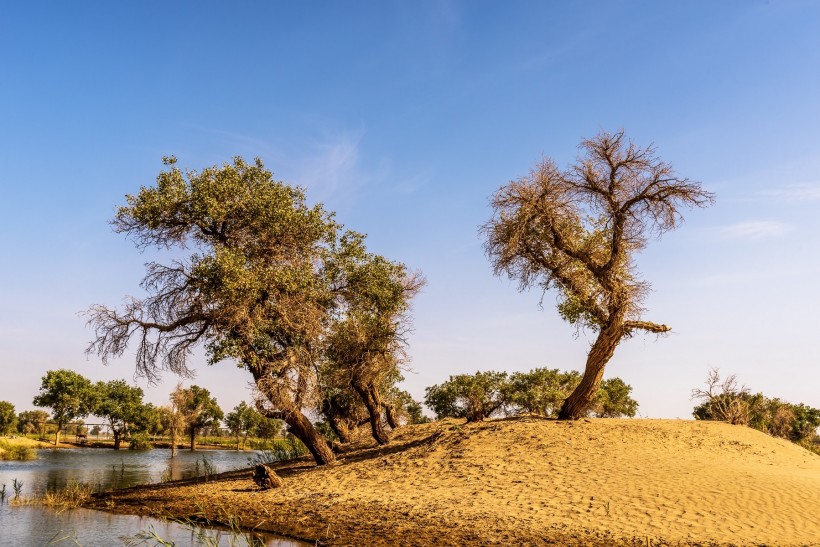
104	469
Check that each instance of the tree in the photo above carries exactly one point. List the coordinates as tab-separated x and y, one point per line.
259	290
577	230
242	421
401	407
68	394
613	400
367	341
120	404
8	418
199	410
472	396
539	391
30	421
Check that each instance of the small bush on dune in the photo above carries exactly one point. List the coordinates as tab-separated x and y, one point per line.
723	400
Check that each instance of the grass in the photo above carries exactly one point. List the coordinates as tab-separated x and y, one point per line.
204	532
18	448
71	496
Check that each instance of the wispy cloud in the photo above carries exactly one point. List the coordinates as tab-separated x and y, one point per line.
795	192
754	229
331	165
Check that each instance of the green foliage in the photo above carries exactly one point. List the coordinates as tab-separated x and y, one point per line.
8	418
540	391
613	400
10	451
31	421
723	400
270	281
140	441
121	404
199	409
243	421
68	394
472	396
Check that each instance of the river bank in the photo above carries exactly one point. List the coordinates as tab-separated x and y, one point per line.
524	481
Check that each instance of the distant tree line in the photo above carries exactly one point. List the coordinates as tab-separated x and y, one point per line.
72	397
540	391
724	400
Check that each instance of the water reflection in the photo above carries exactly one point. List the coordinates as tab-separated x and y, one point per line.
108	469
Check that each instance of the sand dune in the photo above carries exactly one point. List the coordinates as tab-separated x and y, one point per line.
531	481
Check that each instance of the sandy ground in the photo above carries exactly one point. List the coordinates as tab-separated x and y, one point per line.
527	481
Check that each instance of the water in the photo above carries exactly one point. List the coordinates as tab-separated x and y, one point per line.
103	469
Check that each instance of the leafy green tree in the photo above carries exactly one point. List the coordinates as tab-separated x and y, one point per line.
31	421
269	428
122	406
540	391
472	396
366	344
242	421
8	418
577	230
68	394
199	410
261	288
613	400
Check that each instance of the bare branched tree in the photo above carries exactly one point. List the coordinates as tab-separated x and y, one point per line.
723	399
577	230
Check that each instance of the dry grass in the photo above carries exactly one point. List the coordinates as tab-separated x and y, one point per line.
73	495
525	481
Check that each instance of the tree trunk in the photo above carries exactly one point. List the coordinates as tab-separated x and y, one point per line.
57	436
390	415
117	439
370	397
301	427
576	405
338	425
173	442
193	438
339	428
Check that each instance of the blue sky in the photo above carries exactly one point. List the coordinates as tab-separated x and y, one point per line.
404	117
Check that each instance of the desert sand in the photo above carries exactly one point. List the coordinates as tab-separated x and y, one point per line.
525	481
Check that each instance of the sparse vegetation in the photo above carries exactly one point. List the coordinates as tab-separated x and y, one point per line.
724	400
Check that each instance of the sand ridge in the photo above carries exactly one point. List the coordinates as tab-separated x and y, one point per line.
528	481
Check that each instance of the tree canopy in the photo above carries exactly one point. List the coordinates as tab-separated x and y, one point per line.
68	394
265	278
539	391
122	405
8	418
577	230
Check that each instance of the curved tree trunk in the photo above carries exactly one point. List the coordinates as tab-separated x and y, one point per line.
301	427
576	405
389	414
370	397
337	424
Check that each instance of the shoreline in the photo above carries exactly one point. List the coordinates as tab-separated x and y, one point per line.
522	481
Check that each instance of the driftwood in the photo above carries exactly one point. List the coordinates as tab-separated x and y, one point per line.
266	478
